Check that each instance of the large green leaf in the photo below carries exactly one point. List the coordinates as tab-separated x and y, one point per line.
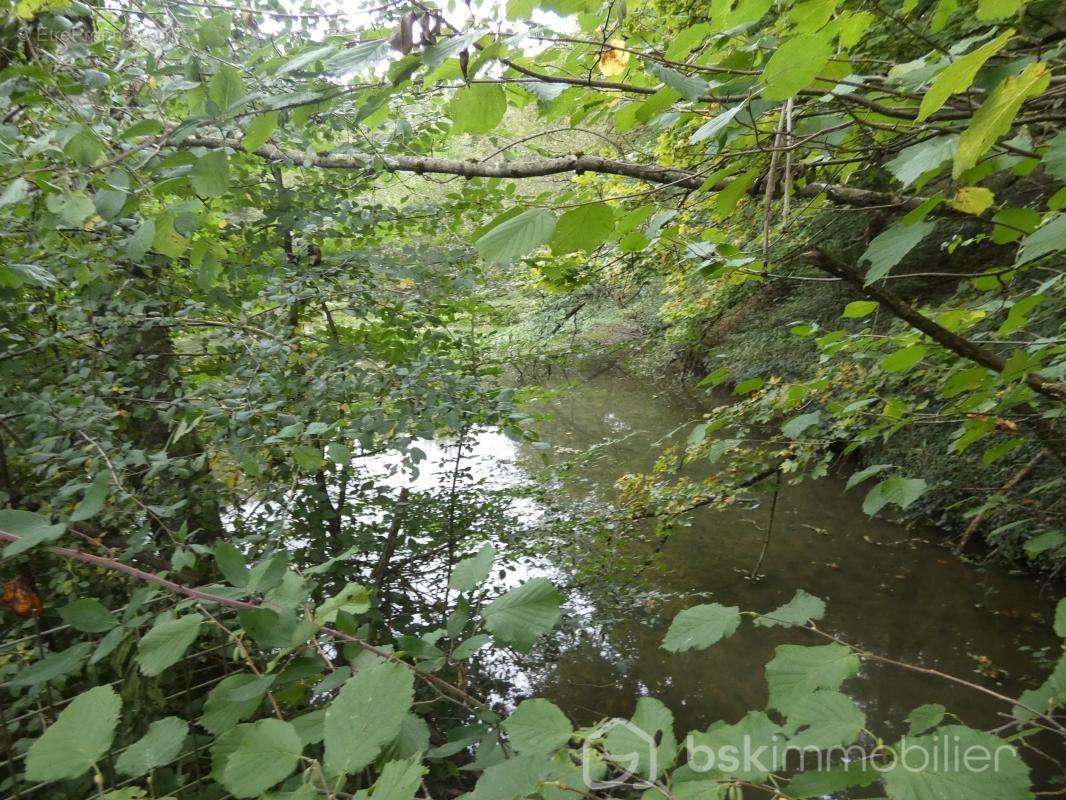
226	87
516	236
650	732
537	726
897	490
795	64
825	719
89	615
399	780
957	763
512	778
367	715
521	615
472	572
913	162
233	699
210	174
477	108
800	610
259	131
230	563
582	228
79	737
996	115
701	626
890	246
157	748
166	643
796	671
1048	238
756	734
925	717
53	665
266	753
33	529
959	74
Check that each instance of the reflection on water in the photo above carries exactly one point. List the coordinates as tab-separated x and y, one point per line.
892	590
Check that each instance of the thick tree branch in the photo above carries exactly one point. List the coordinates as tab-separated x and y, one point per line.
541	167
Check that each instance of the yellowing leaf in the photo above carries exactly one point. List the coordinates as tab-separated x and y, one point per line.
997	113
613	62
973	200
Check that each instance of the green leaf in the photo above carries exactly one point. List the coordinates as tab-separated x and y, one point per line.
998	9
582	228
84	147
230	563
890	246
1048	238
267	752
166	643
399	780
73	208
913	162
468	647
996	115
795	427
925	717
477	108
93	500
472	572
516	236
959	74
512	778
898	490
32	530
140	242
754	733
210	174
1054	159
716	125
233	699
795	64
15	192
825	782
259	131
630	744
367	715
53	665
1049	540
904	359
857	309
226	88
700	627
800	610
1060	618
306	58
157	748
78	739
88	615
688	86
537	726
863	474
796	671
825	719
167	240
353	599
748	386
360	54
521	615
996	772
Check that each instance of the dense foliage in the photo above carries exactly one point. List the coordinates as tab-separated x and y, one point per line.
251	251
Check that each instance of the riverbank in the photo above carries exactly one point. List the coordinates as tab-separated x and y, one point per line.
1004	505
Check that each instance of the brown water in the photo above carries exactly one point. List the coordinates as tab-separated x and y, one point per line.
894	591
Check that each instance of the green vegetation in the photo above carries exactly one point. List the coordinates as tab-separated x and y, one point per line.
258	258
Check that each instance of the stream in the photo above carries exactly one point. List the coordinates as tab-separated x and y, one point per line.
892	590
